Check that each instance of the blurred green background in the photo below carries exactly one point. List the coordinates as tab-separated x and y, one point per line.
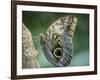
38	22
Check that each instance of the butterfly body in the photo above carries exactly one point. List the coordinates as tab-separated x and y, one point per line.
57	41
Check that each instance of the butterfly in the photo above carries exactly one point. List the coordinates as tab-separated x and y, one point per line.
57	42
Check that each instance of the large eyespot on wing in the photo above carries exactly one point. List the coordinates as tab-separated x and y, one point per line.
58	53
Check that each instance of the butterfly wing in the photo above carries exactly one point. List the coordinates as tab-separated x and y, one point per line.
57	41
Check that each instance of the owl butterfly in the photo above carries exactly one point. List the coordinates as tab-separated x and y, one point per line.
57	41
